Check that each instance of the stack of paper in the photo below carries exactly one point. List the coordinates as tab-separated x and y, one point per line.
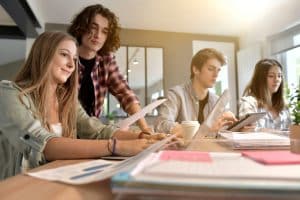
256	140
203	174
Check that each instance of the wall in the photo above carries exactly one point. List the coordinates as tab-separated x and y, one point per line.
9	70
11	57
11	50
177	48
269	24
246	59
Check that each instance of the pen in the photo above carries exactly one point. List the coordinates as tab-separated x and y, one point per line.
96	167
85	174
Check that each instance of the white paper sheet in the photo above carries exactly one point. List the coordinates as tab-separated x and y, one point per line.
124	124
218	108
256	140
95	170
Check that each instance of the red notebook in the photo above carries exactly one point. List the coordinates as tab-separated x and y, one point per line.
273	157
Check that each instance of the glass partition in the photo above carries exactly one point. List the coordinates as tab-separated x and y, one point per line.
142	67
136	72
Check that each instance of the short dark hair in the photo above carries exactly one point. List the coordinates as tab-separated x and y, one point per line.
201	57
81	24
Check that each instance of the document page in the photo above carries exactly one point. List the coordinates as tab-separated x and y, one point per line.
96	170
124	124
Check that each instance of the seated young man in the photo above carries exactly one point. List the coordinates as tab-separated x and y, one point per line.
192	100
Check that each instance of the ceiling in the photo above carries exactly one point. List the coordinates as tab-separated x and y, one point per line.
5	19
217	17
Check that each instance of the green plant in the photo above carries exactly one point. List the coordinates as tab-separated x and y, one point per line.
294	105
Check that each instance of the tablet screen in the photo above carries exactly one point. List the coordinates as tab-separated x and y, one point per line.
249	118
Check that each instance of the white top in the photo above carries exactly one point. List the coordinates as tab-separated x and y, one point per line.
56	129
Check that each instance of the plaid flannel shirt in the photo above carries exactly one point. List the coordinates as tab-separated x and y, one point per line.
107	77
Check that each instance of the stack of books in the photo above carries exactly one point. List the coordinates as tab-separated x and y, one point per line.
190	175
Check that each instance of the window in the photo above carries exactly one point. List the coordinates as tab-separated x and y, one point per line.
226	78
293	67
285	47
142	67
290	61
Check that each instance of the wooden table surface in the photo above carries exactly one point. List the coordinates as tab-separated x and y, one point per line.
26	187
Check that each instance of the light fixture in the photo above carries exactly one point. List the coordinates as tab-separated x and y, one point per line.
135	61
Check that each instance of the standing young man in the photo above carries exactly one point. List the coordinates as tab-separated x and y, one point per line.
193	100
96	29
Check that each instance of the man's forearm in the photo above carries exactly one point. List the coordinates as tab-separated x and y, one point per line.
134	108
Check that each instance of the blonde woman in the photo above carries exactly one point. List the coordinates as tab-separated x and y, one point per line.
41	118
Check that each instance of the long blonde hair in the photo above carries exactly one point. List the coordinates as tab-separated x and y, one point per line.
33	78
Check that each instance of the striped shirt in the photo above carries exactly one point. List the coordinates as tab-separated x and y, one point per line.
106	77
248	104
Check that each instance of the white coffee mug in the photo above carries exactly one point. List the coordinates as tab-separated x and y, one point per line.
190	128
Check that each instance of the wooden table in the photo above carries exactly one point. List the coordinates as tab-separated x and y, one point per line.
26	187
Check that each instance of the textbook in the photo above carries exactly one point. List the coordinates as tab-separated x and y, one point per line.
191	173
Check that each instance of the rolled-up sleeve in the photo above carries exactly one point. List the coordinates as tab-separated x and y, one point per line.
119	87
19	126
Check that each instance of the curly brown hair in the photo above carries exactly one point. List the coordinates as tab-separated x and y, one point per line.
81	24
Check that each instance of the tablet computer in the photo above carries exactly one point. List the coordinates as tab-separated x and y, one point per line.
248	119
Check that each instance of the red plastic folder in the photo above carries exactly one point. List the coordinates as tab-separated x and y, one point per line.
185	156
273	157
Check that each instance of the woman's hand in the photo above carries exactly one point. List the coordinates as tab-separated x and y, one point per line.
132	147
153	136
175	143
248	128
177	130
